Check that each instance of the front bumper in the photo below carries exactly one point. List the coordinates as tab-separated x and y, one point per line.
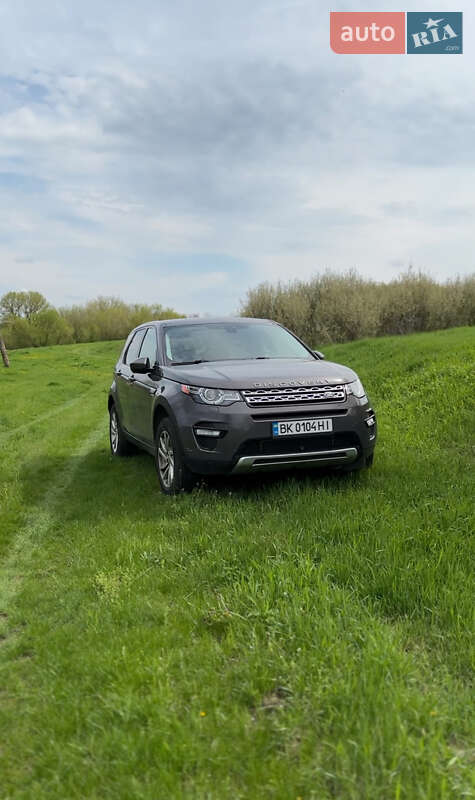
318	458
246	444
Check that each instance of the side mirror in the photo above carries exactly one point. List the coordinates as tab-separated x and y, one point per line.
318	354
141	365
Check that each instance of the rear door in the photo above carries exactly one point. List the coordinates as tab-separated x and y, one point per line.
142	391
124	378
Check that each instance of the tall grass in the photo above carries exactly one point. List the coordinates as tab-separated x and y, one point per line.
339	308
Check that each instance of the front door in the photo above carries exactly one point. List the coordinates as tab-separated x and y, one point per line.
124	379
142	392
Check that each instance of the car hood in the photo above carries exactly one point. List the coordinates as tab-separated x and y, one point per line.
256	374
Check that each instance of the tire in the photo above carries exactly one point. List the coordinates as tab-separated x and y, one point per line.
173	474
119	444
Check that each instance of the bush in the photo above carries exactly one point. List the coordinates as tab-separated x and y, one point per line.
109	318
339	308
49	327
17	332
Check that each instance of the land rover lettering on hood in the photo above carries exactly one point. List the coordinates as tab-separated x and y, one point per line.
235	396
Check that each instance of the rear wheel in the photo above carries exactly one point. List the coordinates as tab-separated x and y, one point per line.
173	474
120	445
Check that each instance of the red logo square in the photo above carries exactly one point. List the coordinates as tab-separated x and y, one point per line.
368	32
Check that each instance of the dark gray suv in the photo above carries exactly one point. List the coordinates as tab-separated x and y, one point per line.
234	396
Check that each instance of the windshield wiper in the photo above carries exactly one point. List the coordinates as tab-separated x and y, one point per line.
185	363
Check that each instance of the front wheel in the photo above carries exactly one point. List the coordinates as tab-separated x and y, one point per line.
173	474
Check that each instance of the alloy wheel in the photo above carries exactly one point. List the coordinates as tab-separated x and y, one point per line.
166	459
114	432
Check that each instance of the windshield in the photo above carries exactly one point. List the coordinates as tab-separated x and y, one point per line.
222	341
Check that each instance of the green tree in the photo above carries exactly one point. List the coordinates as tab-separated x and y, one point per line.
18	332
49	327
22	304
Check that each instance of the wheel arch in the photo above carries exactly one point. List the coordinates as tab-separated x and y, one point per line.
161	412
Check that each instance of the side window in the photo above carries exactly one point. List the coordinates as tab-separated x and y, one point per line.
149	346
133	349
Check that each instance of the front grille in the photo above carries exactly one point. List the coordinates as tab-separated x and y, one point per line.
294	394
299	444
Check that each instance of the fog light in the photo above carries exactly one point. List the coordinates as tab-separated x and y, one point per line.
207	432
370	422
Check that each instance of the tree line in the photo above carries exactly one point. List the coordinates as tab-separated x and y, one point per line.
27	319
341	307
326	308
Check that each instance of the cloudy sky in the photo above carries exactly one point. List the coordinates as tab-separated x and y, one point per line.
180	152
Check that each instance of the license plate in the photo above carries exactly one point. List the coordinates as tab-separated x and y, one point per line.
297	427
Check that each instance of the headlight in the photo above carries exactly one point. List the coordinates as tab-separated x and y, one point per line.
211	397
356	388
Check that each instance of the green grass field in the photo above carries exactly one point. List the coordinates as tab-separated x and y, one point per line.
297	636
